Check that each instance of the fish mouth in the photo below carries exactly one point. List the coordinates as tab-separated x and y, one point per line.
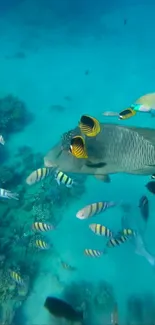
89	126
77	147
127	113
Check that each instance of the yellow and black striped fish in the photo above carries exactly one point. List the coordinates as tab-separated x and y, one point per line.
100	230
93	252
62	178
93	209
41	244
41	226
38	175
16	277
77	147
128	232
117	241
67	266
127	113
89	126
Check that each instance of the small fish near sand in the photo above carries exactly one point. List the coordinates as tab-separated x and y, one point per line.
61	309
41	244
42	227
16	277
144	207
94	209
94	252
5	194
101	230
89	126
39	175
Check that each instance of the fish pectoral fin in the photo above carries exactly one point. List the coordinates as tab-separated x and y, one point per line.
104	178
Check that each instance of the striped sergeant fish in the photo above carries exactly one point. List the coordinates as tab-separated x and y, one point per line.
117	241
41	244
5	194
93	209
93	252
40	226
128	232
101	230
38	175
62	178
16	277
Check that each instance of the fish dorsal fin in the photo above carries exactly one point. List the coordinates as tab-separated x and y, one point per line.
146	133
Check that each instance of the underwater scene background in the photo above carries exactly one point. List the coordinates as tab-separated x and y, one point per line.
61	59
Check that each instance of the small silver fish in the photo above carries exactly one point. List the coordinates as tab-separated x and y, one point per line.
2	140
5	194
110	113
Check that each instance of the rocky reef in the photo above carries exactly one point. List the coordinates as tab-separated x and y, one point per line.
141	309
46	202
93	299
14	115
11	296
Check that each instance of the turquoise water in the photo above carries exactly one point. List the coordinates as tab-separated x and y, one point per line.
46	49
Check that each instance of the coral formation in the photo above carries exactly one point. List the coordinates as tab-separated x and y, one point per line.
141	309
46	201
14	115
10	296
104	298
90	297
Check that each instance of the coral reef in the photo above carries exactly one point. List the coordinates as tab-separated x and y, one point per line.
90	297
14	115
46	201
104	298
141	309
11	296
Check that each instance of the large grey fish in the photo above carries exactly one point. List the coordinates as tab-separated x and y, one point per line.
115	149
